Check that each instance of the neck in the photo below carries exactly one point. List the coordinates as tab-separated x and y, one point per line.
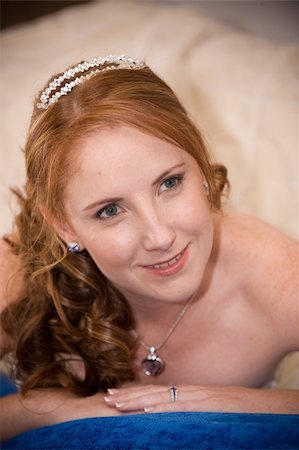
157	312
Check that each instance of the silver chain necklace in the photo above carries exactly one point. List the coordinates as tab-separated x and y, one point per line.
153	364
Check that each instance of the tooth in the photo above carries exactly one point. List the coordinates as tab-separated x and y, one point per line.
166	264
161	266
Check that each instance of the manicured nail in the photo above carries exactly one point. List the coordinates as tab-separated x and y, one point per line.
107	399
148	410
112	391
119	405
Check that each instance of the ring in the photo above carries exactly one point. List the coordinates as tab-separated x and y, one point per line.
173	394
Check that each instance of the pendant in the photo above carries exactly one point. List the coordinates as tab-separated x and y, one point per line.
152	365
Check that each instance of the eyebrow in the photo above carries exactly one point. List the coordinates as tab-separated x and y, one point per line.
120	199
167	172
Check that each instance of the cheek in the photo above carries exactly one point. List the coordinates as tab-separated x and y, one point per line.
112	250
193	211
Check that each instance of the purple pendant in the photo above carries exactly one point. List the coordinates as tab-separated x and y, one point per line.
152	365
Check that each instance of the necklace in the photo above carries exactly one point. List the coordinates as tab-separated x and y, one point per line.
153	364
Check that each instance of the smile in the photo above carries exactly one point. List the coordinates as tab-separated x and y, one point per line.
171	266
167	263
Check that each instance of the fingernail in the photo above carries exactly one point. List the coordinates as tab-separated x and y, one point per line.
112	391
107	399
148	410
119	405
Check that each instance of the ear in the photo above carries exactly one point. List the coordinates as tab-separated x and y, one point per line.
65	232
62	228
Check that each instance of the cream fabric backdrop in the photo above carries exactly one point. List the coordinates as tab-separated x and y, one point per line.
240	89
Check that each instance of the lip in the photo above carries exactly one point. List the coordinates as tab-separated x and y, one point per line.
171	266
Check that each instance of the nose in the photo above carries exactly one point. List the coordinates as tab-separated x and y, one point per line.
158	231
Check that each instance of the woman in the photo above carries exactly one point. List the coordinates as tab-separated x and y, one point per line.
133	278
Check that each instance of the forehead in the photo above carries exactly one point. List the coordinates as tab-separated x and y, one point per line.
120	162
114	151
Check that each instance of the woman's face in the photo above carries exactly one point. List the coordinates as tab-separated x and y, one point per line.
138	206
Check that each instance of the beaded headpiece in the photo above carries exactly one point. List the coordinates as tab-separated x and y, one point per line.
60	86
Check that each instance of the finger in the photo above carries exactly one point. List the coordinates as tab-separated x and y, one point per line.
130	394
129	389
138	403
148	399
190	406
135	391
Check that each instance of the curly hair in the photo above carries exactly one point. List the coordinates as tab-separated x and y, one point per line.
71	312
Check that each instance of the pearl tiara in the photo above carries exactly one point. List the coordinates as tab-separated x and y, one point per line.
59	87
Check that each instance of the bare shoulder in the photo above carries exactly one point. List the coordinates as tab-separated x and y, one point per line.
11	286
11	277
253	230
268	264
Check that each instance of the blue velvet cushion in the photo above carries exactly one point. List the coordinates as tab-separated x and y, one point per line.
167	431
7	386
221	431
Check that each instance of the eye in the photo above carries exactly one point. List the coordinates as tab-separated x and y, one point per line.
171	182
108	211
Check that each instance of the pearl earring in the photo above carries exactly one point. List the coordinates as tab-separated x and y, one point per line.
205	185
73	247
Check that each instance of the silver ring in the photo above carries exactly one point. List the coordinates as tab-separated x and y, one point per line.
174	394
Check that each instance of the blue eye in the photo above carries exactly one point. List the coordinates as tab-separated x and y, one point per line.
172	182
108	211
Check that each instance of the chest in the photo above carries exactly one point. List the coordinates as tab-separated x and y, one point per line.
216	347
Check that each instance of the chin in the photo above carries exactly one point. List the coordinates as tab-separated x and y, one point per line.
175	291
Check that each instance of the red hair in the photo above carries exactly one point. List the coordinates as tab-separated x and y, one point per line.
71	310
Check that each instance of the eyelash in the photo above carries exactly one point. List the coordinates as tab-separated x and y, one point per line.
178	181
101	211
178	178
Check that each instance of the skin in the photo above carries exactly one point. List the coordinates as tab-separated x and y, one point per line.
11	285
159	215
241	273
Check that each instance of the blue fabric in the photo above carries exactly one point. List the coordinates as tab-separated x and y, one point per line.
7	386
184	431
165	431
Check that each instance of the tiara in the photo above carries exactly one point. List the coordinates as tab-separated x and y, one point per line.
59	87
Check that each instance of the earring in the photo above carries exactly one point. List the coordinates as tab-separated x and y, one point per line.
73	247
205	186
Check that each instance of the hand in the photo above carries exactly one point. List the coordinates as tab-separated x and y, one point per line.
157	398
